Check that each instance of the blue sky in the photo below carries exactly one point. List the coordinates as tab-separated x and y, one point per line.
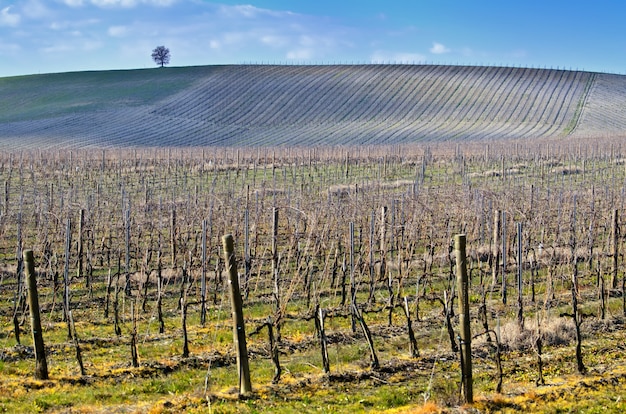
39	36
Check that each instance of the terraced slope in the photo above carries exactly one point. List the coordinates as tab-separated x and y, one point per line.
306	105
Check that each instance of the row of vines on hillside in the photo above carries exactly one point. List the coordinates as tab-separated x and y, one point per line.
347	232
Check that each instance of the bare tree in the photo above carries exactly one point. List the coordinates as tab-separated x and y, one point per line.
161	55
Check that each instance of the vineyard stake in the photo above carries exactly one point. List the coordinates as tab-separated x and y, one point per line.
520	285
275	269
81	229
368	336
41	366
66	278
352	282
239	330
504	257
495	259
575	311
320	314
79	356
464	317
615	236
203	277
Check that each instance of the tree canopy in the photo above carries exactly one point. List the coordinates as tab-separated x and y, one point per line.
161	55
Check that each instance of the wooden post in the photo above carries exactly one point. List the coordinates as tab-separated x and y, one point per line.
133	337
368	336
352	282
79	355
127	287
239	331
615	234
412	341
81	229
520	285
503	224
173	236
370	299
319	322
203	276
275	258
495	258
41	367
464	317
275	272
246	251
66	277
274	351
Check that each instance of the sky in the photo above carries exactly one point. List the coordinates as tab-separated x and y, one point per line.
39	36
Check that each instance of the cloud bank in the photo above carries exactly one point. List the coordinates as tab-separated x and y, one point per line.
76	35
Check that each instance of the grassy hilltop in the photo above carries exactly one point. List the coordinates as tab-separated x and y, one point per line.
306	105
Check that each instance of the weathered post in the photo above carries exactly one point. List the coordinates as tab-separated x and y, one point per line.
319	322
352	282
520	284
615	237
464	317
203	276
173	236
370	299
81	230
66	278
495	253
275	272
239	331
41	366
504	257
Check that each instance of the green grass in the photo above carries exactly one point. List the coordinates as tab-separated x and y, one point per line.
51	95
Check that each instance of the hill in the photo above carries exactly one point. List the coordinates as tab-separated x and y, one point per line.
306	105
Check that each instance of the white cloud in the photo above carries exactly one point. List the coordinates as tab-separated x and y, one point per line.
301	54
243	10
78	34
9	19
9	47
395	57
127	3
215	44
65	25
57	48
274	40
36	9
250	12
73	3
439	49
78	45
117	31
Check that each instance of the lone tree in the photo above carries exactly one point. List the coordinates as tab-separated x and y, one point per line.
161	55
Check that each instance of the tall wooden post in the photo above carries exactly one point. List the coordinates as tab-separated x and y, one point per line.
41	367
615	234
520	281
66	277
173	236
464	317
495	258
275	273
203	276
239	331
352	282
503	224
81	229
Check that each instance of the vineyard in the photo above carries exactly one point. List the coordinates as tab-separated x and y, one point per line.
268	105
345	263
